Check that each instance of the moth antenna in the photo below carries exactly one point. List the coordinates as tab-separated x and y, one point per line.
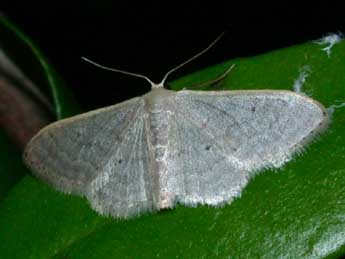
119	71
190	59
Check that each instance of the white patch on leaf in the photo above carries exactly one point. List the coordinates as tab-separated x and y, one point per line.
304	72
331	108
330	40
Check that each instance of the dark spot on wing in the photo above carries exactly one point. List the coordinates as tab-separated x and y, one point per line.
253	109
208	147
120	161
118	138
204	124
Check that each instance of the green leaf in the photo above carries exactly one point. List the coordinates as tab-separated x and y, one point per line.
10	161
34	65
295	212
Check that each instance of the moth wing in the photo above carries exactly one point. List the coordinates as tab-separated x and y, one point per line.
102	155
222	139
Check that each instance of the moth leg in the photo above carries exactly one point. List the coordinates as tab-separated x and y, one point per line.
212	82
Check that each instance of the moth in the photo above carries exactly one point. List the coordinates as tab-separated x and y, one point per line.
165	147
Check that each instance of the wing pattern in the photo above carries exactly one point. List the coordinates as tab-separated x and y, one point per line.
101	154
224	138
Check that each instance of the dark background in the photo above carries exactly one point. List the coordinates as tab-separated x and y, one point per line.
152	37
